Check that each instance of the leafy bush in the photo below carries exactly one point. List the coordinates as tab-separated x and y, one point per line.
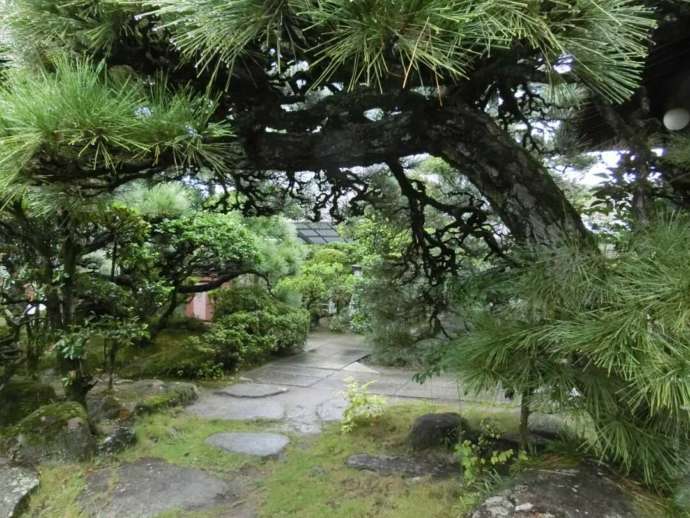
362	407
250	325
479	456
243	298
325	278
175	354
605	336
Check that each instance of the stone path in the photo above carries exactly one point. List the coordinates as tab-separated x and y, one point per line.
305	390
295	394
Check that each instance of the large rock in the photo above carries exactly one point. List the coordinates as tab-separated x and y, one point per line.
20	397
58	432
115	437
145	396
149	487
434	430
16	484
559	493
106	407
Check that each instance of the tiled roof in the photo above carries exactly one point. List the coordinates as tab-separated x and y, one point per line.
317	233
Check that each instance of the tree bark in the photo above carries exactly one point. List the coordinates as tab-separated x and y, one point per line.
516	184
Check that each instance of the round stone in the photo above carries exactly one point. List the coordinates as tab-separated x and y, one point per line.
259	444
252	390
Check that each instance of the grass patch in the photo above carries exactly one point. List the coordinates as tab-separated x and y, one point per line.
57	495
313	481
179	439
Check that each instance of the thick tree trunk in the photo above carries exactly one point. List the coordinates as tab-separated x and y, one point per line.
516	185
162	322
80	382
524	419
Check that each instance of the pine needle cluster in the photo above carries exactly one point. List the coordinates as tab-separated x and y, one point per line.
76	118
604	336
369	41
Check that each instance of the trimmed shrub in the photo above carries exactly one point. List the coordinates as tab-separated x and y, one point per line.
250	325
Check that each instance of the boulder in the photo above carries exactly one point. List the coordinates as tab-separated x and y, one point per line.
16	484
434	430
19	397
150	487
144	396
105	407
115	437
562	493
58	432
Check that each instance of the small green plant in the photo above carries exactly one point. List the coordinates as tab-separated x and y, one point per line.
362	406
476	457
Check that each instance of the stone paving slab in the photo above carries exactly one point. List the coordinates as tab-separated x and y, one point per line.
325	358
290	375
213	406
260	444
149	487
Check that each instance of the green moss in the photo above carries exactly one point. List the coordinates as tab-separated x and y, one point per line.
20	397
49	420
178	395
181	439
313	481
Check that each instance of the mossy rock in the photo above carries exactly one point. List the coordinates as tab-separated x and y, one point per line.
20	397
105	407
171	394
55	432
129	398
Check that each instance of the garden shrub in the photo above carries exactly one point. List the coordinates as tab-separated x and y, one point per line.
250	325
362	406
173	354
325	278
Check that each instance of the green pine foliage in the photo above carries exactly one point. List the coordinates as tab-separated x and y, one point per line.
75	120
75	25
604	336
602	41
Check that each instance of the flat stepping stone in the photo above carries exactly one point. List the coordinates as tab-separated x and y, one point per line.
403	465
149	487
16	484
252	390
237	409
259	444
